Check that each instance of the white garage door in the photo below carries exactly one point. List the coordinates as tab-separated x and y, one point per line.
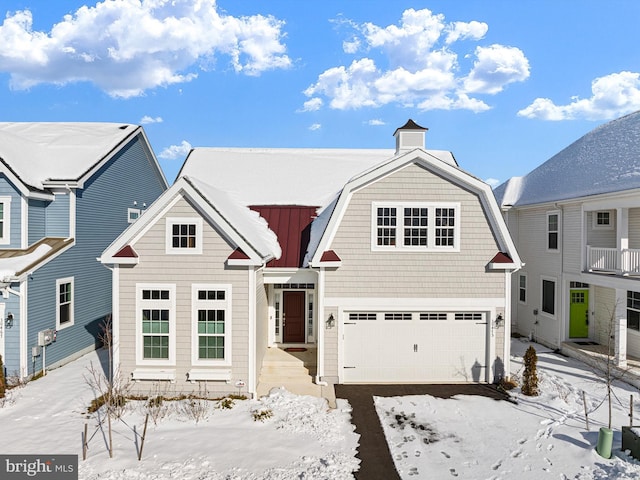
415	347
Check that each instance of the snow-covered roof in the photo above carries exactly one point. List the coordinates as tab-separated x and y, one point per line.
249	224
605	160
285	176
42	152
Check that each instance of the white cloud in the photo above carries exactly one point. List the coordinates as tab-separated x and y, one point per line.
419	66
174	152
312	105
375	122
127	47
612	96
492	182
315	126
147	119
496	67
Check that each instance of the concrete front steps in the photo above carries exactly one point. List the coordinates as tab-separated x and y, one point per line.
294	371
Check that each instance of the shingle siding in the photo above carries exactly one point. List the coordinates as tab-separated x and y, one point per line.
156	266
415	274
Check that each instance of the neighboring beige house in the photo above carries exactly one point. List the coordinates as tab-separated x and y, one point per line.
576	222
387	267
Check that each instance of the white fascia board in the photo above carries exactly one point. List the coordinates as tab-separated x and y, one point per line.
450	172
161	206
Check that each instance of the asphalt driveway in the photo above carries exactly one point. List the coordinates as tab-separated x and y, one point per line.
373	452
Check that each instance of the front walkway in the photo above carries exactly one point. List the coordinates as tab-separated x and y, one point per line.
596	356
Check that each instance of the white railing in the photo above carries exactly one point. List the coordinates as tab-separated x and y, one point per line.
612	260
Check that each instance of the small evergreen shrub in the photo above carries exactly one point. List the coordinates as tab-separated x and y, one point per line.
530	375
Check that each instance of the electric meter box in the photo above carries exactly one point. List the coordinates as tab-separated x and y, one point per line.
45	337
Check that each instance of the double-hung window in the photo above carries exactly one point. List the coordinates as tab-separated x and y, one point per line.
415	226
553	231
5	220
522	288
211	337
64	302
155	324
184	235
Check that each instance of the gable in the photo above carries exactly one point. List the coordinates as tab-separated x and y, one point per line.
415	176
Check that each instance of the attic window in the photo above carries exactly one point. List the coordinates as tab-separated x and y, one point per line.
184	235
410	226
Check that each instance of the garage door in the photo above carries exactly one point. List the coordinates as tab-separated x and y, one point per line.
397	347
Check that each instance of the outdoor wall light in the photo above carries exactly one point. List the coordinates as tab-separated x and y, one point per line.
9	320
499	320
331	321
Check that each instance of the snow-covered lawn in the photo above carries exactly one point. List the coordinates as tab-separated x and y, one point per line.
463	437
539	437
302	439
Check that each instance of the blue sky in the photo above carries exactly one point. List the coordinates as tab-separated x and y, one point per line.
503	85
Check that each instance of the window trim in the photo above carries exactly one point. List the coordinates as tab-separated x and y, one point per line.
170	222
137	211
59	282
557	231
631	329
171	305
594	220
5	238
555	296
228	322
521	288
431	227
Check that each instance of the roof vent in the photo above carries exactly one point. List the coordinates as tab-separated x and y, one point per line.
409	136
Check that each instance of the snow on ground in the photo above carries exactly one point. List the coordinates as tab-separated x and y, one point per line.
539	437
465	437
302	439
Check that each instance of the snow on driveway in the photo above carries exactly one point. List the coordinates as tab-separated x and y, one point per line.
539	437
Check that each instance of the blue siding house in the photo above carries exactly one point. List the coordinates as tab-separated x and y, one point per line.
67	190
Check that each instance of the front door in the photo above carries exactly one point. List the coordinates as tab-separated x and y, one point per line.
293	317
579	314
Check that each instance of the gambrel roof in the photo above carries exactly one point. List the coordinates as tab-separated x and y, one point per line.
605	160
37	155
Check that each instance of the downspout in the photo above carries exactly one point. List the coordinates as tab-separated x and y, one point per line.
321	327
115	321
251	381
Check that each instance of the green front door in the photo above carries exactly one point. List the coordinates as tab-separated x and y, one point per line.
579	314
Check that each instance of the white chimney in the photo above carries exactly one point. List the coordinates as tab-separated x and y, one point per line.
410	136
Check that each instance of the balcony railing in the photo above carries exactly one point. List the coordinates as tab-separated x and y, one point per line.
612	260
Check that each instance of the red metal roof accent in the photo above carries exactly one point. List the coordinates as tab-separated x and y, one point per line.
292	226
238	254
126	252
330	256
501	258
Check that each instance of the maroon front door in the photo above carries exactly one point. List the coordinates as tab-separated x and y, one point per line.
293	317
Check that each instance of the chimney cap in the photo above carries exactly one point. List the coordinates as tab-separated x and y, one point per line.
410	125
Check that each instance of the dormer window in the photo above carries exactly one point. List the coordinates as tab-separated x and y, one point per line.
184	235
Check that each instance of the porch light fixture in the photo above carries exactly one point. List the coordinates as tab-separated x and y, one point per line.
499	320
9	320
331	322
